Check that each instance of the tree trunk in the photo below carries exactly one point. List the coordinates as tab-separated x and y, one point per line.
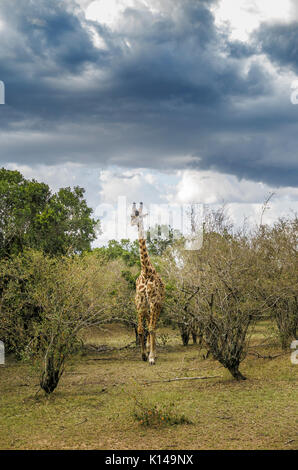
51	374
236	373
185	338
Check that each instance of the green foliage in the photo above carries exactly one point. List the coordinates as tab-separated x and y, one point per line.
62	296
123	263
276	248
160	237
164	338
32	217
125	249
19	310
130	278
120	280
215	294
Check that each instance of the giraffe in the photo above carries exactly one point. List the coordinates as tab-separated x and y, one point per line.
149	291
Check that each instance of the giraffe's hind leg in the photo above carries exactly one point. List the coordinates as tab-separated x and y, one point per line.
142	308
148	344
154	315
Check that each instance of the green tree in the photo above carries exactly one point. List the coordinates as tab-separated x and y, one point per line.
125	249
70	295
160	237
122	265
31	216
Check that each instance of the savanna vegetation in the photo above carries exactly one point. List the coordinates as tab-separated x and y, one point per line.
73	377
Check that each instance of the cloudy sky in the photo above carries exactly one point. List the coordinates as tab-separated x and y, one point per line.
165	101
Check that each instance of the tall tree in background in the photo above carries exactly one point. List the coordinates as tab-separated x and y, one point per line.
125	249
160	237
31	216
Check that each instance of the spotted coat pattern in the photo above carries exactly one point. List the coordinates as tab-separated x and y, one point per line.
149	300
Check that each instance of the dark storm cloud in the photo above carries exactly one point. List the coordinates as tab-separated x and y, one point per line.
167	91
280	43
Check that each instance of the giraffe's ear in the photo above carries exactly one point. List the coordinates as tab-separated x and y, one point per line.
134	209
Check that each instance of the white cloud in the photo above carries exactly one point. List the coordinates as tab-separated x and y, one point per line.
210	187
119	188
60	176
252	213
243	198
158	190
110	12
136	184
55	176
244	16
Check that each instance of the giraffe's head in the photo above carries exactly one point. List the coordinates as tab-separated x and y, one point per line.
137	215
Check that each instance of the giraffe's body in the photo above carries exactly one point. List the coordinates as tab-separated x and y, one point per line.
149	294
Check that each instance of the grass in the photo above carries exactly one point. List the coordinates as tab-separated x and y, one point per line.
103	398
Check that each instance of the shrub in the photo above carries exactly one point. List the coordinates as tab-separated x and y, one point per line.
69	295
158	415
276	248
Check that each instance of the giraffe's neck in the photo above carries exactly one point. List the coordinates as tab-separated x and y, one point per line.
144	257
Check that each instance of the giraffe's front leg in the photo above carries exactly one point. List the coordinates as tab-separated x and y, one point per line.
154	314
152	347
141	333
142	312
142	309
